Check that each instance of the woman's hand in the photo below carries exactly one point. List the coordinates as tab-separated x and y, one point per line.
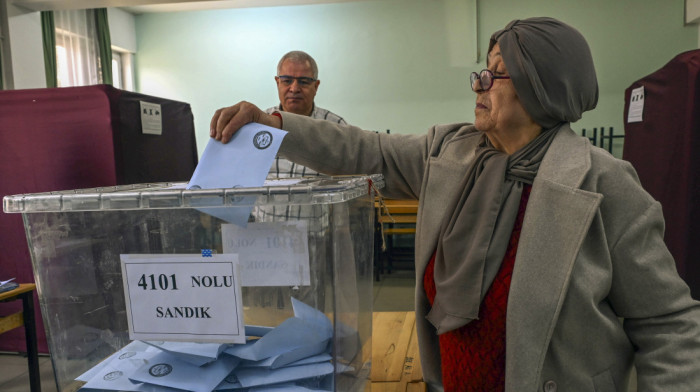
227	121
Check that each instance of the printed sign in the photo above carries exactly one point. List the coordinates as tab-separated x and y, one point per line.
151	118
270	253
183	298
636	108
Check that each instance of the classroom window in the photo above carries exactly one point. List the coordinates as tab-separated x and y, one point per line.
116	70
77	59
122	69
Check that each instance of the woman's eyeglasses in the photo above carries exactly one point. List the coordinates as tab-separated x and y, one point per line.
289	80
485	78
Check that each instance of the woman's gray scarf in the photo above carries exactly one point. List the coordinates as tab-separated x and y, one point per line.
473	240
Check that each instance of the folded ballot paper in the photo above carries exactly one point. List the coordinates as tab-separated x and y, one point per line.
294	356
197	354
242	162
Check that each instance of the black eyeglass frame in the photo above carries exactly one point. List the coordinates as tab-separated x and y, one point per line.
287	80
484	76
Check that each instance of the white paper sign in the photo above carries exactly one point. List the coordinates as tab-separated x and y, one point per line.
636	108
183	298
270	253
151	118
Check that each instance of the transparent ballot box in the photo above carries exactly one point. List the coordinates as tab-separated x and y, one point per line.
153	287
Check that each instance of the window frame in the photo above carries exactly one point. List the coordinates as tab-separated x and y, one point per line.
6	75
126	68
74	63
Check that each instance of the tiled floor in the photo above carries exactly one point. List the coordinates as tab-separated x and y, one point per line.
394	292
14	376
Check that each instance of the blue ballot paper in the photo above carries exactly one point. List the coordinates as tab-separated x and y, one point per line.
294	333
287	387
294	356
251	377
257	330
195	353
164	369
114	376
242	162
312	315
127	351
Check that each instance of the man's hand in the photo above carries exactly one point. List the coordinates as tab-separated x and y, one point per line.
227	121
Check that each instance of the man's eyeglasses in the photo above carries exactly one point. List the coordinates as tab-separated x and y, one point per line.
485	78
302	80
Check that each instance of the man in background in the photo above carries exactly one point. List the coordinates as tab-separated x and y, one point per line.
297	83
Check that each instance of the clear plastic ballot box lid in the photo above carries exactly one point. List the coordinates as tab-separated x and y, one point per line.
304	246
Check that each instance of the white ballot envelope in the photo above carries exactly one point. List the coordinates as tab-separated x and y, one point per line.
242	162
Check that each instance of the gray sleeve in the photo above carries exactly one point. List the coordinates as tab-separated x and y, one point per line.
343	149
660	318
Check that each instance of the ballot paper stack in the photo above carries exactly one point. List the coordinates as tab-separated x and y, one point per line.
294	356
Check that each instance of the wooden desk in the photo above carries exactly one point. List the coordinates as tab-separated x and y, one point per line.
25	292
395	361
394	217
396	206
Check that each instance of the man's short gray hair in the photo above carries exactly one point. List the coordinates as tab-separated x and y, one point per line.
299	57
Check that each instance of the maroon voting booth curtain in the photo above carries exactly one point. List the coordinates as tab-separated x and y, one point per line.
79	137
665	150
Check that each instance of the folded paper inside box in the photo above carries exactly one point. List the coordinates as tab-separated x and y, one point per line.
294	356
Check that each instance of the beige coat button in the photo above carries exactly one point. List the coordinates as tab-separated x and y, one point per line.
550	386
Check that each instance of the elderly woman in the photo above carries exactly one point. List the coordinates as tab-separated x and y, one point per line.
540	259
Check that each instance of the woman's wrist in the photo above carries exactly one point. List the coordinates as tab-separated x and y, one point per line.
278	123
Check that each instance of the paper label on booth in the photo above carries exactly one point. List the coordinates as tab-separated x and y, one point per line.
636	108
270	253
151	118
183	298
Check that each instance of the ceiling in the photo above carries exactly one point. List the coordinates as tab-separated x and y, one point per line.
145	6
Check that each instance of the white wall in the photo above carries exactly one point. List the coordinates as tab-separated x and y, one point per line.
397	64
122	28
692	11
26	47
380	67
692	14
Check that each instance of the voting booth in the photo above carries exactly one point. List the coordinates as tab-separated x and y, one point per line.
662	141
156	286
82	137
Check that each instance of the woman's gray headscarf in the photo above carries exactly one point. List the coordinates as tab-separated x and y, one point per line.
551	67
552	70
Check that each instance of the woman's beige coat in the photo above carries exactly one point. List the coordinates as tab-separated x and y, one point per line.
594	290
